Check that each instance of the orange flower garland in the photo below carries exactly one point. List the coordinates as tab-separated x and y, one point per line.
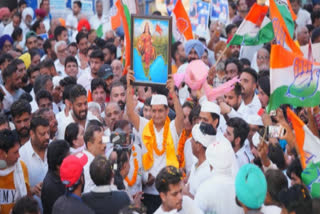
164	140
133	180
180	149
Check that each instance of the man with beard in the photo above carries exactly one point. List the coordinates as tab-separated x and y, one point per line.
233	51
178	55
31	40
50	116
169	184
237	132
233	68
21	116
61	50
110	53
232	101
12	78
113	113
82	55
118	94
96	61
79	114
34	154
194	49
263	59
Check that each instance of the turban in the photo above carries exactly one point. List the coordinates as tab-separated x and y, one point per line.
83	23
41	12
27	11
203	138
5	38
196	45
4	11
220	155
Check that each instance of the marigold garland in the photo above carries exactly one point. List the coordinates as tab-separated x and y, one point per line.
133	180
164	140
180	149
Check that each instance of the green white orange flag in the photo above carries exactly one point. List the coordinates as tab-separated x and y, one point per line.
255	29
294	79
308	145
182	29
282	18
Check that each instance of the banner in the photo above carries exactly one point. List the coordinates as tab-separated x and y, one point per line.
220	11
199	17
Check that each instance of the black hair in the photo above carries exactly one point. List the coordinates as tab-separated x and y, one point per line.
276	181
33	52
70	59
194	113
71	133
32	69
315	15
78	3
315	34
89	133
174	49
120	124
168	175
236	62
22	2
240	128
252	73
5	57
7	140
112	49
237	89
9	71
3	119
95	122
73	44
16	33
116	84
26	96
147	102
20	107
99	42
35	25
58	31
80	36
276	155
160	90
38	121
98	82
230	27
17	14
57	151
66	92
26	204
47	63
97	54
101	171
93	47
294	167
245	61
43	94
156	13
68	81
77	91
40	82
47	45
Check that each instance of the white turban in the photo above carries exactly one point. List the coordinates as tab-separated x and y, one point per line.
202	138
27	11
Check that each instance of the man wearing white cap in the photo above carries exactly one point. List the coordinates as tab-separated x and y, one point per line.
203	135
159	138
217	193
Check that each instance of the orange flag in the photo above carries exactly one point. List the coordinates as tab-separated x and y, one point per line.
181	23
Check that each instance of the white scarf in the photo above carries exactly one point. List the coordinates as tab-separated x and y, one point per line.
18	179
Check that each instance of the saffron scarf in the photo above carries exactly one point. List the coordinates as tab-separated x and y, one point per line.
149	140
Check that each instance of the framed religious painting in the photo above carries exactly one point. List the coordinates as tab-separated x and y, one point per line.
151	38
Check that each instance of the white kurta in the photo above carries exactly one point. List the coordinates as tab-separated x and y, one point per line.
198	175
188	207
244	110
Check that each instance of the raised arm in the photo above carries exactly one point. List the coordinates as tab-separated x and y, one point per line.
177	106
132	115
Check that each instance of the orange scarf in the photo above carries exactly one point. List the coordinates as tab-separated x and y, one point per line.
133	180
180	149
150	142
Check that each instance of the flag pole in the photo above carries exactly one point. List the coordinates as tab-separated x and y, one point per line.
220	57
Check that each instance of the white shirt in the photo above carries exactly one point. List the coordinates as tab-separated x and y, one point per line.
8	29
10	98
217	194
85	80
95	21
244	110
189	158
242	157
59	68
270	209
72	21
188	207
303	18
37	168
89	184
159	161
198	175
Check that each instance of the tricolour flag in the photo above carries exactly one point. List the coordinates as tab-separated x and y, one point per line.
294	79
182	29
255	29
308	145
282	18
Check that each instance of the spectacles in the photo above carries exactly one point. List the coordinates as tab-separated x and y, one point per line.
263	57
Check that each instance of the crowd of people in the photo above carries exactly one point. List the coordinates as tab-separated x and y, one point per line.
76	136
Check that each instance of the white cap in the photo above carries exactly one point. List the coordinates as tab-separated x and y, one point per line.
159	99
220	155
254	119
56	80
211	107
204	139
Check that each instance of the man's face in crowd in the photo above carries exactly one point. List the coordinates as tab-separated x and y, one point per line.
33	77
40	43
71	69
112	114
40	138
204	58
173	198
72	50
229	134
16	79
35	60
263	59
303	36
263	97
62	53
83	45
76	9
147	112
118	95
186	113
45	103
22	124
57	94
159	114
49	86
31	42
247	83
16	21
12	155
42	28
63	36
7	46
295	6
231	71
95	64
207	118
53	124
80	107
192	55
99	8
235	51
99	95
181	53
96	146
232	99
107	56
242	7
45	5
116	69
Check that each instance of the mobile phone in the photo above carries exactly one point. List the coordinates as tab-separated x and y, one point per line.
276	131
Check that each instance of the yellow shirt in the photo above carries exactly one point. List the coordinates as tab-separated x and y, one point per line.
7	190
